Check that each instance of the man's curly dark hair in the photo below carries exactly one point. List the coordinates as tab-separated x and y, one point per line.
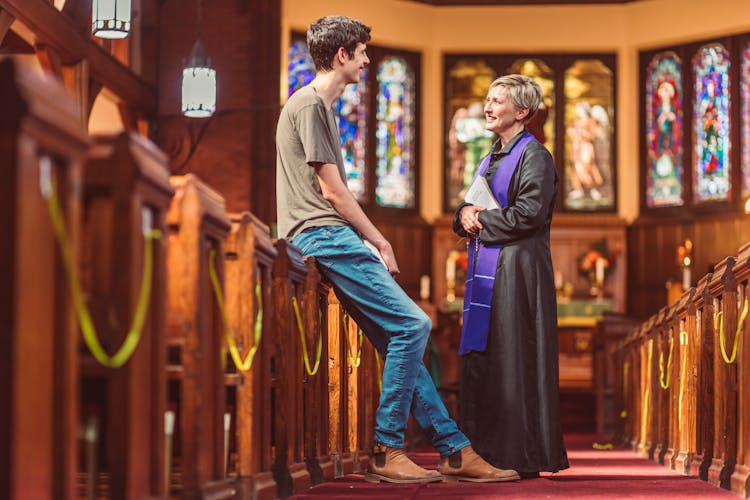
327	34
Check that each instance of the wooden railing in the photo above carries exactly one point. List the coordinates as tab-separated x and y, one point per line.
683	380
161	322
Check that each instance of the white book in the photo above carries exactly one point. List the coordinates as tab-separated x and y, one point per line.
481	195
374	250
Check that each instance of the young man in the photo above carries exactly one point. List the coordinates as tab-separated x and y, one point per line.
318	213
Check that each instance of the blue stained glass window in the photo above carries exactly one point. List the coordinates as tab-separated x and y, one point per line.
300	66
664	129
711	180
745	88
395	134
351	113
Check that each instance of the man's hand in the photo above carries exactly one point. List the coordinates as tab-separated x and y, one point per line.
469	218
386	251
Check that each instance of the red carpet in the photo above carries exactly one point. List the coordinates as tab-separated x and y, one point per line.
593	474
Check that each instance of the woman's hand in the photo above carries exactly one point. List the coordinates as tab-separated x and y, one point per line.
469	218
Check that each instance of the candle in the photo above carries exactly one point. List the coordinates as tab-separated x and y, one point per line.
450	268
686	278
558	280
424	287
600	270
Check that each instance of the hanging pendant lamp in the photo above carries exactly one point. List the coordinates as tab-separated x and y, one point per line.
198	84
110	18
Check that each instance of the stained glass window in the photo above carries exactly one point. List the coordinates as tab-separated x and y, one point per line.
664	131
395	134
301	69
542	124
468	140
711	126
351	114
589	119
745	117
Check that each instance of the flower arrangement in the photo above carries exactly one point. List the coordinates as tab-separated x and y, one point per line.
598	261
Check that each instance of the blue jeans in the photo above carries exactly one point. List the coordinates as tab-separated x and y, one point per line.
397	328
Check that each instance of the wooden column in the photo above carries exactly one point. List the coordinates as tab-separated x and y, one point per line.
704	357
740	480
687	396
723	289
127	193
39	130
249	260
289	469
198	226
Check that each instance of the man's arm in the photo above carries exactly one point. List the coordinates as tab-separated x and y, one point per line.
335	191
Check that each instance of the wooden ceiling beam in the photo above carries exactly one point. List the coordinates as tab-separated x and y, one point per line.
55	29
5	21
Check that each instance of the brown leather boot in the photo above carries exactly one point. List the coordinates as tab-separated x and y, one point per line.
466	465
393	466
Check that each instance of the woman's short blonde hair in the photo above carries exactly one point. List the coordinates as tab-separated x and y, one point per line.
524	92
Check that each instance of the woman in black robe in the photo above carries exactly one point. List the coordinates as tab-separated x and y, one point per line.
509	401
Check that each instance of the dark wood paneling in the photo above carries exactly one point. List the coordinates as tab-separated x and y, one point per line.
652	250
411	238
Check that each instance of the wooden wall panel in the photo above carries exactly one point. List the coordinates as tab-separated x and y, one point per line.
411	238
652	250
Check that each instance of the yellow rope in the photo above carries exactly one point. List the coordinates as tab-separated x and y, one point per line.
625	368
379	375
683	344
88	330
719	323
305	356
647	392
355	361
664	377
242	365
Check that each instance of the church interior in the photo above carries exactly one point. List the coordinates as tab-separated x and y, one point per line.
162	342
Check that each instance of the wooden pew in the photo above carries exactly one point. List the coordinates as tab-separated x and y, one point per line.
40	130
338	442
723	288
289	470
704	359
740	480
648	385
663	351
359	392
249	258
198	226
687	396
611	330
316	386
673	366
621	386
126	196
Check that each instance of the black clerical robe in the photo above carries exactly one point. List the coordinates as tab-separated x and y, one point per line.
509	401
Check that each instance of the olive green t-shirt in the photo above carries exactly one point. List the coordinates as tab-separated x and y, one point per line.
307	133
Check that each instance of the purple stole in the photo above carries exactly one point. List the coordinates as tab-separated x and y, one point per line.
480	278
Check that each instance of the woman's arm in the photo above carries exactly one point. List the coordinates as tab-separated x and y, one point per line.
530	210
